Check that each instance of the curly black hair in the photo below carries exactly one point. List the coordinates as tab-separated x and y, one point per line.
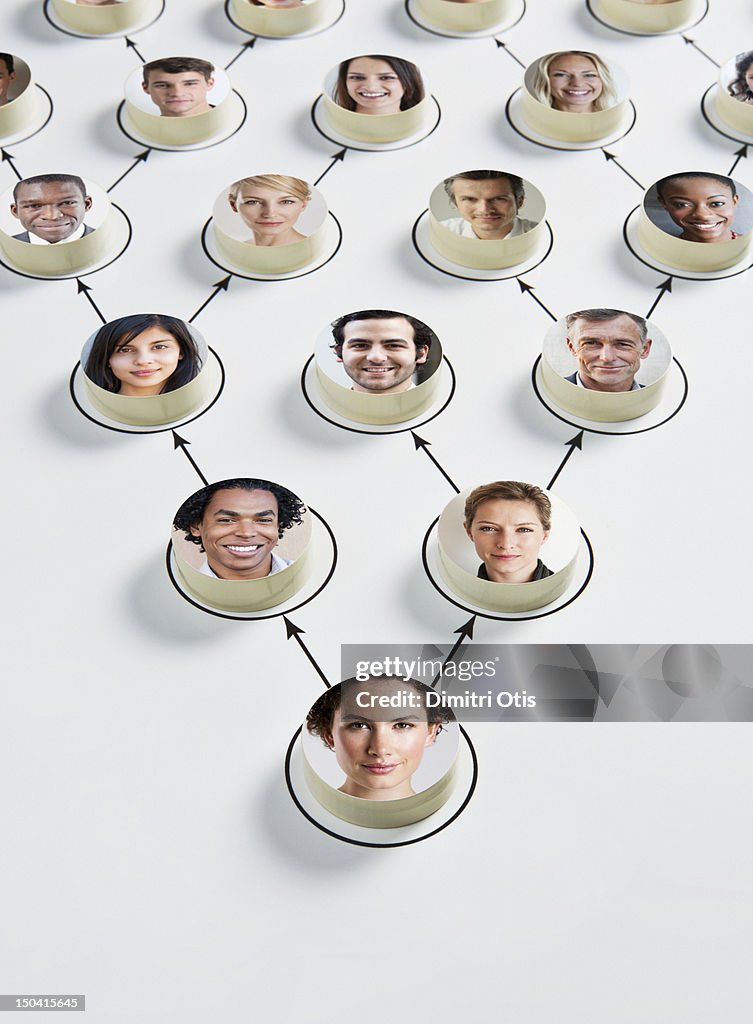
320	718
290	509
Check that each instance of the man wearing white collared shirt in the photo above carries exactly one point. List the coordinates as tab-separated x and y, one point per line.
488	203
237	524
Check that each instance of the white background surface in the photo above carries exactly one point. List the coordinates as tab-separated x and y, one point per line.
152	858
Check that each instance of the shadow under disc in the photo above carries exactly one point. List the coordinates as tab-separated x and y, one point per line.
411	9
332	243
713	120
36	124
634	32
582	574
385	838
296	35
323	557
316	401
630	235
425	249
323	126
124	233
518	123
85	406
674	397
55	21
240	113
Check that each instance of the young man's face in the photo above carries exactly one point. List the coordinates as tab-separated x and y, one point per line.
182	94
6	77
489	206
238	531
380	356
52	210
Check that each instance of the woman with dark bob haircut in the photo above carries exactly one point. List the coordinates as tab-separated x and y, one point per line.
143	355
377	84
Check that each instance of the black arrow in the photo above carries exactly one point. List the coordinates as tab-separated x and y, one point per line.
246	46
689	42
665	286
140	159
295	631
574	442
420	443
220	286
337	156
508	51
528	288
130	43
465	631
85	289
180	442
8	157
614	160
740	154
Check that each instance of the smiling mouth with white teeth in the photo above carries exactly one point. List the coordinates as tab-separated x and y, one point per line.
243	549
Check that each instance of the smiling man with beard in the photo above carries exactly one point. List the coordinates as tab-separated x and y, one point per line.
380	349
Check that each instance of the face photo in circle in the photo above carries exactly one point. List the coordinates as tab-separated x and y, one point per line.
489	203
143	355
379	752
381	351
700	206
179	86
51	208
508	522
237	526
270	205
573	81
741	85
7	77
378	85
609	346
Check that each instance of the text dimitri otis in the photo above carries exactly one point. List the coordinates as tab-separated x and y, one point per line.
407	699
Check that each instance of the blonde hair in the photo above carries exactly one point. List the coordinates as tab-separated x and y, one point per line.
281	182
542	91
